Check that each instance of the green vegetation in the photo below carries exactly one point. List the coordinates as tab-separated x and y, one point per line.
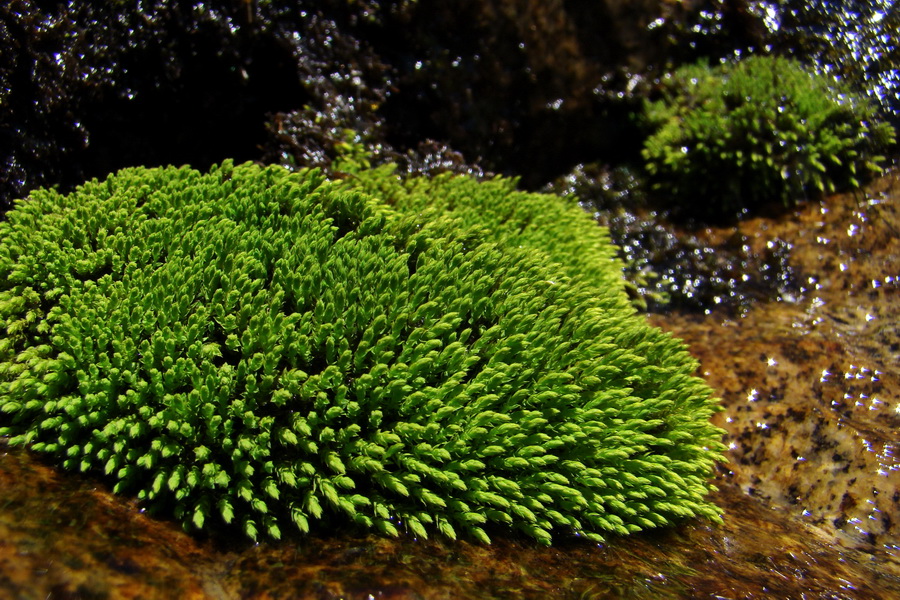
261	348
536	224
763	129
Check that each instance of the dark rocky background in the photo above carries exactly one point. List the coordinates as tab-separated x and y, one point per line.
522	88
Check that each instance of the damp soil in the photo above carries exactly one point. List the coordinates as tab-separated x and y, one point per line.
809	386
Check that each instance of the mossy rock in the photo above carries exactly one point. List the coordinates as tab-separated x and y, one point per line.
261	348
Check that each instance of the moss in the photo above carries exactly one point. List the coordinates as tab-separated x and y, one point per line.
760	130
268	349
539	224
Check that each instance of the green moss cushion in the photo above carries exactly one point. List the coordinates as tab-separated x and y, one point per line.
266	348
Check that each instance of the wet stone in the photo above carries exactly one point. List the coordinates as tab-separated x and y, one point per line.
810	383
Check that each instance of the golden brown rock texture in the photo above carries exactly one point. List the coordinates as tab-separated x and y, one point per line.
810	384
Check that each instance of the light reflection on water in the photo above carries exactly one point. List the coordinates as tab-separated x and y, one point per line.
854	39
811	389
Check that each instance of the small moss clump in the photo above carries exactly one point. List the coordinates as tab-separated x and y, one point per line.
262	348
760	130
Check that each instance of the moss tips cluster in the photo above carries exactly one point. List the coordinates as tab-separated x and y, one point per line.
266	349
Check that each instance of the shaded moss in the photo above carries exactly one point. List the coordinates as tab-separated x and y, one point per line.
268	349
760	130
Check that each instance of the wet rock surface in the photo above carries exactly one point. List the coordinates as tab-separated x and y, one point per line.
523	88
88	89
63	537
810	383
673	264
810	389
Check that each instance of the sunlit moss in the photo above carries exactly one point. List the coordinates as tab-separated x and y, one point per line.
268	349
539	224
763	129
